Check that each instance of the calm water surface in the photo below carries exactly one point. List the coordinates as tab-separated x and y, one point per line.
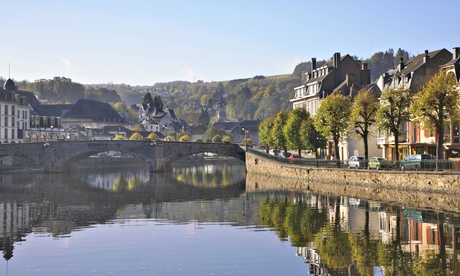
199	220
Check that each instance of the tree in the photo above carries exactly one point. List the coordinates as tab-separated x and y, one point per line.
184	138
212	131
279	140
269	104
393	112
332	119
119	137
362	116
152	136
217	139
136	136
292	129
227	139
147	100
312	139
436	105
102	94
157	103
203	118
265	128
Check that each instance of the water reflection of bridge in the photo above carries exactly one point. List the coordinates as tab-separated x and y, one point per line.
61	203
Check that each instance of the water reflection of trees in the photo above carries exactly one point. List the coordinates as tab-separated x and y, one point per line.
407	242
291	218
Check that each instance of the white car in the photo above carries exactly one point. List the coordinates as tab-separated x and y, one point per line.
356	162
284	154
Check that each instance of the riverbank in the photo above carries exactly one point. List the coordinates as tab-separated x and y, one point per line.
412	199
434	189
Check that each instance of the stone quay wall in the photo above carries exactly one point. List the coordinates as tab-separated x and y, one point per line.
429	189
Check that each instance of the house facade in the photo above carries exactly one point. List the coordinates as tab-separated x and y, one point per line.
339	75
412	76
451	133
342	75
14	114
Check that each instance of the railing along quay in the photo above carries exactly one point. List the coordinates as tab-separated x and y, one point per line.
429	165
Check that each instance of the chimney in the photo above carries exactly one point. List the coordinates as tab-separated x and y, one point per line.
401	64
338	75
426	57
455	52
313	64
350	79
336	61
365	74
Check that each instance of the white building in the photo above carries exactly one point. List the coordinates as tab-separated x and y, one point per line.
14	114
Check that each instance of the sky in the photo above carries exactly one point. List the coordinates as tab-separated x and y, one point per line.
144	42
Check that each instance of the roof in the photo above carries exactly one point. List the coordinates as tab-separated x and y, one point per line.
56	110
417	62
29	97
93	110
9	85
452	62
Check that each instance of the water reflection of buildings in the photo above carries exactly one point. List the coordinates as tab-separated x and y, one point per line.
421	234
16	220
111	181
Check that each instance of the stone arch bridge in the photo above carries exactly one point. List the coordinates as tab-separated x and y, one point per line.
57	156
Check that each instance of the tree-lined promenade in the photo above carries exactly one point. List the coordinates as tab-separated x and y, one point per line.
433	108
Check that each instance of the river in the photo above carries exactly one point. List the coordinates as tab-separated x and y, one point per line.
200	220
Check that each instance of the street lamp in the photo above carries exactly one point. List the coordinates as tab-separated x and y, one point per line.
52	138
244	135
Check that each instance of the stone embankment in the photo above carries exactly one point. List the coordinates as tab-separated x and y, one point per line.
433	190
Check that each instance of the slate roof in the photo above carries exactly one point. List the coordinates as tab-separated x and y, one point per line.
29	97
417	62
93	110
329	64
56	110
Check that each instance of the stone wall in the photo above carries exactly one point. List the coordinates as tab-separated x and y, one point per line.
368	181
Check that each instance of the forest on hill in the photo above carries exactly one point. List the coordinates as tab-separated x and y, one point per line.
258	97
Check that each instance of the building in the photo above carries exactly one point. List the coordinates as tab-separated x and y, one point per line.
14	114
342	75
451	134
339	75
412	76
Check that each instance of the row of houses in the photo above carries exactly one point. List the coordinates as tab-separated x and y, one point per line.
345	75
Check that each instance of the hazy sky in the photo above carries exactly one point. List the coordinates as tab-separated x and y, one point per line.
144	42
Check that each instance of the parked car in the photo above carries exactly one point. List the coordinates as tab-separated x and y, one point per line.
418	162
293	158
356	162
274	151
378	163
284	154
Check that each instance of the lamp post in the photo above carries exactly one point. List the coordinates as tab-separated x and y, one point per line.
244	135
52	138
